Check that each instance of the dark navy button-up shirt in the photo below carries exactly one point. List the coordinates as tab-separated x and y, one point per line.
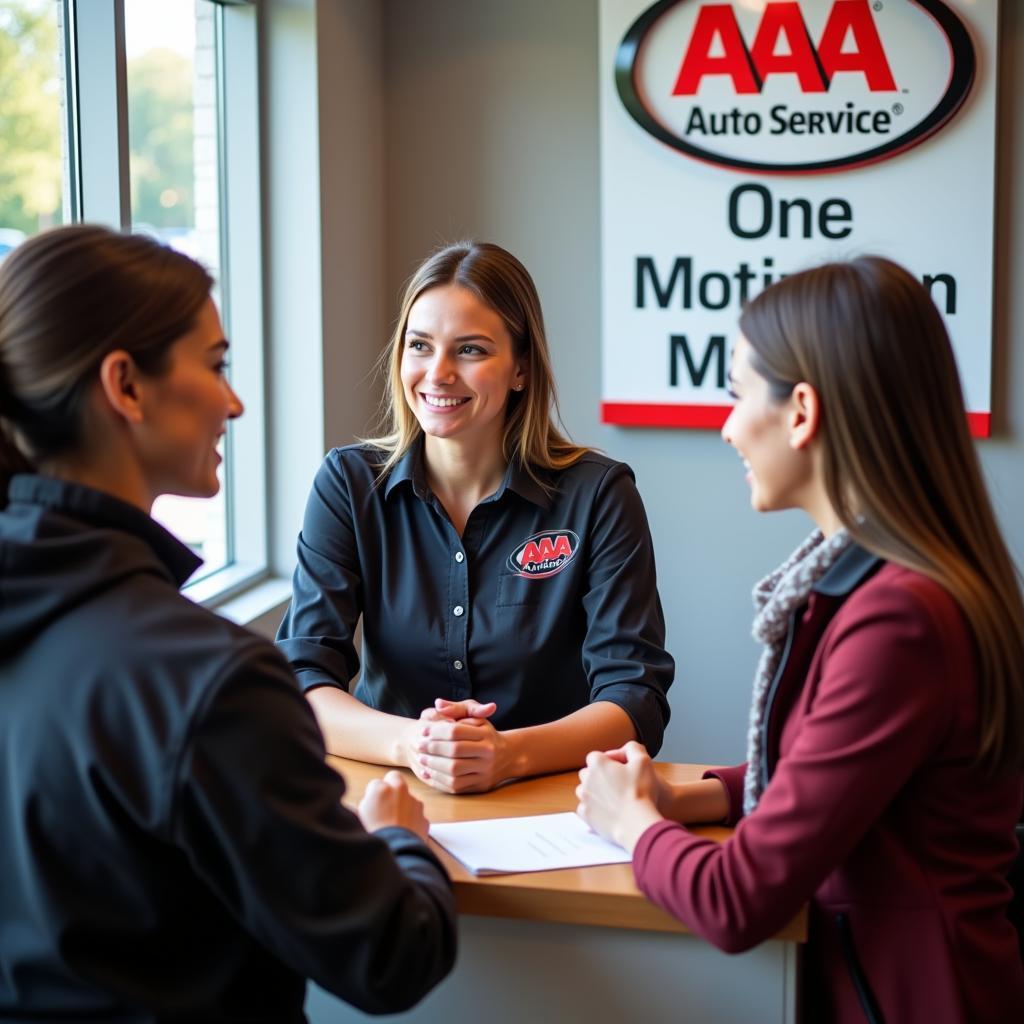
547	602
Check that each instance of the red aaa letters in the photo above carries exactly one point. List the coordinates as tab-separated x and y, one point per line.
544	550
849	42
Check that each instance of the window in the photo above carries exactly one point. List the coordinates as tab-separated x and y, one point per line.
175	186
34	181
160	106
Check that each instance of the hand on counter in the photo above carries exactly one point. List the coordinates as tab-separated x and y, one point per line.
411	739
619	794
388	802
458	749
463	710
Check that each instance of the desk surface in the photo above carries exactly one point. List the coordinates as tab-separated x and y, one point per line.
604	895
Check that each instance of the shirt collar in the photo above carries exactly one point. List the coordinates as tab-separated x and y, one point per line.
520	481
410	469
848	571
102	509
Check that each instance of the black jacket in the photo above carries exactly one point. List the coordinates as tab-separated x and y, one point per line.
172	844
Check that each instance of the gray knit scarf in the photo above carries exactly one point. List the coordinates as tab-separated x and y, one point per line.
776	597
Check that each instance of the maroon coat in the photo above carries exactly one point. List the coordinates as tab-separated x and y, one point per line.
874	813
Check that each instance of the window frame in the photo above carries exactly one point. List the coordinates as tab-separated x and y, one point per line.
98	160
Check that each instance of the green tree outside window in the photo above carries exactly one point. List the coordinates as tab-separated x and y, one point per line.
31	169
160	139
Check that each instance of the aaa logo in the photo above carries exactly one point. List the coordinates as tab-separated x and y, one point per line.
544	554
794	86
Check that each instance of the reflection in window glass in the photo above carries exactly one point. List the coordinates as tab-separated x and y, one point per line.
33	157
172	134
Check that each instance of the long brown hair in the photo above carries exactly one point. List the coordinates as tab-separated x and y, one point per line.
501	282
899	465
68	297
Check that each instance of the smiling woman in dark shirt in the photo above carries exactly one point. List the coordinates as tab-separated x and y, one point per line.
504	576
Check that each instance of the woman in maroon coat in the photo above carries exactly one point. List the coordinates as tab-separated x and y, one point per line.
884	770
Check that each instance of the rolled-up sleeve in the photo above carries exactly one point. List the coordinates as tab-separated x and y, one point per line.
317	633
624	648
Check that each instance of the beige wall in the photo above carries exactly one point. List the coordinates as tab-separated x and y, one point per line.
492	131
439	119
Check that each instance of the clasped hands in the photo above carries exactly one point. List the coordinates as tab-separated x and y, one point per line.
454	747
620	795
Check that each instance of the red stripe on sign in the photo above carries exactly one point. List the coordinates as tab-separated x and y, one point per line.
712	417
635	414
980	424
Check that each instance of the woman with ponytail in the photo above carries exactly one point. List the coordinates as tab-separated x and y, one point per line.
172	843
885	757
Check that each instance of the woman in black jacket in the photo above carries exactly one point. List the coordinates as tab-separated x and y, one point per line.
172	842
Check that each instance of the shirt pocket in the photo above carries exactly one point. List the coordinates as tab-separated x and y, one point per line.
516	591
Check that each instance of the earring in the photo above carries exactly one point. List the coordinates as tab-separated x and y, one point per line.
519	387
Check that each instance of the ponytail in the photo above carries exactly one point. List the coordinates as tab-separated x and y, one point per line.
12	458
68	296
11	461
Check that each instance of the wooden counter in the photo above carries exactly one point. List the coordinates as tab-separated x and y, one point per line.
604	895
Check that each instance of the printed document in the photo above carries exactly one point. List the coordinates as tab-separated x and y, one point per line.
539	842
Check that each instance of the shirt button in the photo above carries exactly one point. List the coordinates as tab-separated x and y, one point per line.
457	664
458	609
459	556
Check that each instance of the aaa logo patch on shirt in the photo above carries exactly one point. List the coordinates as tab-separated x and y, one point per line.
544	554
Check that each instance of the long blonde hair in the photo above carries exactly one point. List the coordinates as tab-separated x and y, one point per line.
900	468
502	283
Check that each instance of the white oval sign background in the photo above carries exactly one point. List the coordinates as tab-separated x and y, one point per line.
794	86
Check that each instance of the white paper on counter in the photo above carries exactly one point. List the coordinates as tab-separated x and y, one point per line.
538	842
